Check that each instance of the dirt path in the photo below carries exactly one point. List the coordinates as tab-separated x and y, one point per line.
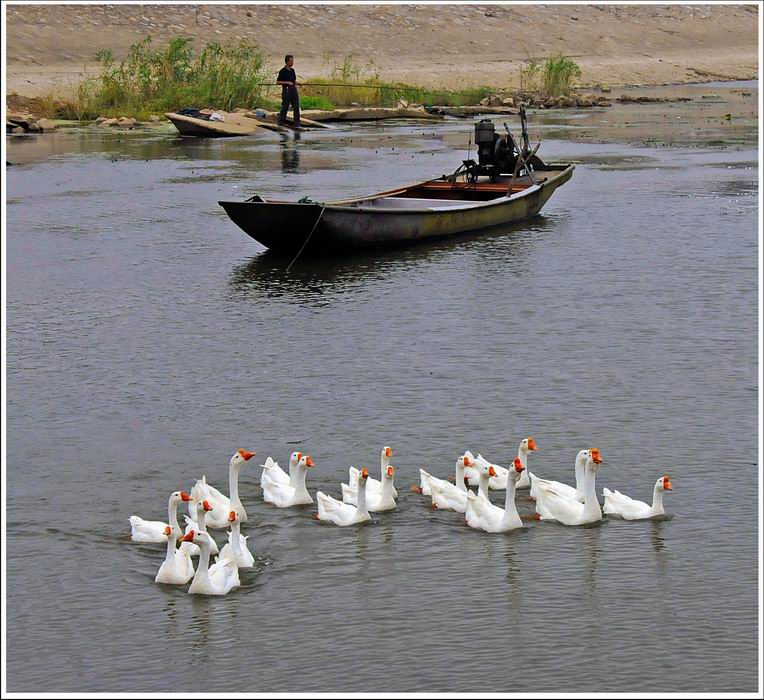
50	46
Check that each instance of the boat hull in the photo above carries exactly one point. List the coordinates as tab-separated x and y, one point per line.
285	227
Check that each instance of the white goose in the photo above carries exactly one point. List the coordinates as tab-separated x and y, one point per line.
447	496
373	484
481	514
222	505
344	514
575	494
218	579
617	503
426	479
500	480
153	530
376	501
526	446
274	473
176	568
236	548
552	506
202	508
294	493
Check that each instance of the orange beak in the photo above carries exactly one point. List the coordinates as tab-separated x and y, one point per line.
390	471
518	465
207	506
232	516
365	473
531	443
245	454
388	451
466	461
491	471
299	455
596	457
667	483
168	531
188	537
184	496
309	462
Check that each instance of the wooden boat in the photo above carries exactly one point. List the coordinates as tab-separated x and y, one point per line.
477	196
234	125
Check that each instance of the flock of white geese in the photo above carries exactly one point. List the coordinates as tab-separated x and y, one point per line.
363	495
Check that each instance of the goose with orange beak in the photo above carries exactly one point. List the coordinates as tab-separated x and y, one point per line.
202	508
551	505
426	479
627	508
447	496
481	514
372	484
498	482
273	472
343	514
295	494
236	547
218	579
177	568
376	501
222	505
577	493
154	530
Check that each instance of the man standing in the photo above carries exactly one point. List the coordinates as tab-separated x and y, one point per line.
288	81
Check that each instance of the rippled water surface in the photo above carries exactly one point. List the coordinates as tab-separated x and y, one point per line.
148	338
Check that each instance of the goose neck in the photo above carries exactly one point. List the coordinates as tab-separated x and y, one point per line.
657	506
171	539
591	504
172	514
233	483
510	510
459	475
235	530
483	485
362	508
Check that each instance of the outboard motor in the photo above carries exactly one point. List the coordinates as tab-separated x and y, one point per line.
496	154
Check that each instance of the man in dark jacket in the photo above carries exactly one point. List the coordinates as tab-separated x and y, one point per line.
288	81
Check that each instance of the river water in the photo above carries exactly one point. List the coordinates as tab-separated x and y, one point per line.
148	338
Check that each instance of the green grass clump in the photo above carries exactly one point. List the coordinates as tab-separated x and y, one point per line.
314	102
222	76
559	75
556	76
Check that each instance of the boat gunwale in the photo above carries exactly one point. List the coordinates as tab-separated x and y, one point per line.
337	205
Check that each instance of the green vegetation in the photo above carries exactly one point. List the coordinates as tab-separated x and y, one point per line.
555	77
223	76
314	102
350	83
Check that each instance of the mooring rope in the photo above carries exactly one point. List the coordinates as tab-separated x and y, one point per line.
323	208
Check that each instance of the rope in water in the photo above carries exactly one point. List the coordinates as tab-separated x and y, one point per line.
323	207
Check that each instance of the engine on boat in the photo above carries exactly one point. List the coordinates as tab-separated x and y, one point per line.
496	154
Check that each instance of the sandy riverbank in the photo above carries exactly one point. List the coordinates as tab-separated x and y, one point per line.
49	47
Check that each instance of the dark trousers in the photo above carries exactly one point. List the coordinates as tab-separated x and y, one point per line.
289	97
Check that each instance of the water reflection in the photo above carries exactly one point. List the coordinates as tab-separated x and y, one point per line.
290	156
311	277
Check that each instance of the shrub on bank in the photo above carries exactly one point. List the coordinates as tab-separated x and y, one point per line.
150	80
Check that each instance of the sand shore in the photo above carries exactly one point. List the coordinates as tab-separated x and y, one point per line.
49	47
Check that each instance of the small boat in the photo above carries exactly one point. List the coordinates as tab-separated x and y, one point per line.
510	183
233	124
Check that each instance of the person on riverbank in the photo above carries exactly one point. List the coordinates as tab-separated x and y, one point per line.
288	80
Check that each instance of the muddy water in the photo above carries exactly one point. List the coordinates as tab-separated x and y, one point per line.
148	338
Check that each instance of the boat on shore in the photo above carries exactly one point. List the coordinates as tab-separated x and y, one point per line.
508	184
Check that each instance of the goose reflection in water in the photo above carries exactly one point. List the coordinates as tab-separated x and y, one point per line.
312	279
